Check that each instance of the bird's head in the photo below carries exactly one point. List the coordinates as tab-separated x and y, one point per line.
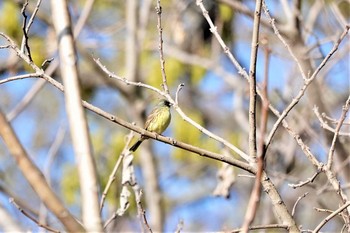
164	102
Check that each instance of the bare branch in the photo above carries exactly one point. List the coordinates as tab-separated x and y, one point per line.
112	176
179	226
35	177
177	92
12	201
336	133
48	166
52	67
329	217
76	116
284	42
25	43
178	109
129	180
226	49
324	124
307	82
19	77
26	99
298	200
309	180
255	195
130	126
161	55
271	226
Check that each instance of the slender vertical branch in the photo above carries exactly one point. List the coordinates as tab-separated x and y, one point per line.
160	47
265	102
112	176
26	26
336	133
132	43
252	80
76	117
25	44
48	167
255	195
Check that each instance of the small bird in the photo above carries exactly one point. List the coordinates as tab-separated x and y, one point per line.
156	122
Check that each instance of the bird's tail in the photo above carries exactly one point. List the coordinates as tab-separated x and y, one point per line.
136	145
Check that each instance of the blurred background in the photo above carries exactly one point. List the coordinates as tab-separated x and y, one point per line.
181	190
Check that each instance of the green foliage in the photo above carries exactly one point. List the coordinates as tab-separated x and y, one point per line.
174	70
70	184
37	48
344	7
234	138
191	136
10	20
197	73
106	155
226	12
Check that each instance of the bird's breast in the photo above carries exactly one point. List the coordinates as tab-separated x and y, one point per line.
161	121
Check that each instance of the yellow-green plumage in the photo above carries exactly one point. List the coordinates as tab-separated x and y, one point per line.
157	121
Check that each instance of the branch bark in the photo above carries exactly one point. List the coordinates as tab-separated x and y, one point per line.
36	178
76	116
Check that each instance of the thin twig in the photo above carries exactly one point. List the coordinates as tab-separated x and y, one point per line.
35	177
309	180
298	200
265	104
142	213
53	65
307	82
179	226
213	29
51	154
323	210
177	108
240	7
324	124
270	226
205	63
12	201
46	63
329	217
26	26
280	37
19	77
26	99
171	141
336	133
31	20
312	158
109	220
126	81
5	46
255	195
25	43
129	180
112	176
161	55
334	121
179	88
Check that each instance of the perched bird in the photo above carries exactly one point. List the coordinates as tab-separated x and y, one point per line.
157	121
